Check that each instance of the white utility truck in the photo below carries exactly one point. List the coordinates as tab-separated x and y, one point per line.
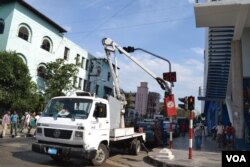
84	126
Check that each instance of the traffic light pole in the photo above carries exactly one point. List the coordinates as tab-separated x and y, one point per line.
190	134
170	118
132	49
171	133
155	56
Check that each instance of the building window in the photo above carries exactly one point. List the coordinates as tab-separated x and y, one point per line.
1	26
89	86
22	57
75	81
85	85
109	75
82	63
87	65
66	53
77	60
47	44
24	32
96	89
41	72
80	83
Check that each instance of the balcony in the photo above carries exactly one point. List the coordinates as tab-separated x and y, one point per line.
203	1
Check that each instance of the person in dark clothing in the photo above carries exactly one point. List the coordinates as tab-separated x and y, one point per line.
183	129
163	134
14	121
157	133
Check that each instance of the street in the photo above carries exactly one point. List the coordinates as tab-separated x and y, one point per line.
17	152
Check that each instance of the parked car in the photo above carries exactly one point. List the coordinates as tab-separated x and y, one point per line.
175	126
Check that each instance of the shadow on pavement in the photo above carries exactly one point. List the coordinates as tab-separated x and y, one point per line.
41	159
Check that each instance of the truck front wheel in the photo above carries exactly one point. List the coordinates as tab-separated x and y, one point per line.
101	155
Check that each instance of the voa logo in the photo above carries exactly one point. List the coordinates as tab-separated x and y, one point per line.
236	158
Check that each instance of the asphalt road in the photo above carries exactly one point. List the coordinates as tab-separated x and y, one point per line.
17	152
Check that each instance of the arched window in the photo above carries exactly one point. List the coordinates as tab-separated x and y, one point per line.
47	44
22	57
41	77
41	71
24	32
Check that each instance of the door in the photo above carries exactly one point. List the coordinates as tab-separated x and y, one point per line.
102	121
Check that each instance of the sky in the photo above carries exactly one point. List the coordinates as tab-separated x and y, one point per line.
164	27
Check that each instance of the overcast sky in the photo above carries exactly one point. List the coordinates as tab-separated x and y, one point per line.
164	27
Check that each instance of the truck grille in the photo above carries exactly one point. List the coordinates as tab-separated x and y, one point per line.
57	133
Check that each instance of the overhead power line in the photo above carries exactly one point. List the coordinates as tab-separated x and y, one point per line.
131	26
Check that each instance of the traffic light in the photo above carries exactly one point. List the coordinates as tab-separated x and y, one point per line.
129	49
191	101
184	100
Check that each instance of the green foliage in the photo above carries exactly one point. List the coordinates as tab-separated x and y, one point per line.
17	92
59	76
182	113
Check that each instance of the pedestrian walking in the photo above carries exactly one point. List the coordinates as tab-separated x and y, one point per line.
220	134
205	131
5	123
32	123
22	123
14	122
230	135
27	120
214	132
198	136
163	134
183	129
157	133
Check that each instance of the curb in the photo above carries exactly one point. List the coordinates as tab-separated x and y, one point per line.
159	163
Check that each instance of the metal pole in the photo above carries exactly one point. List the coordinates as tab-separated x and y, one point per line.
190	134
156	56
171	133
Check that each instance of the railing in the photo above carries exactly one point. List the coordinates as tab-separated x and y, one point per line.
202	92
202	1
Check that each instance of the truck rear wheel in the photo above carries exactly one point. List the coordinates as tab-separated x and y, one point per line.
135	147
101	155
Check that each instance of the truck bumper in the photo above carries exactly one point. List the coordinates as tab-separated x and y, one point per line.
72	152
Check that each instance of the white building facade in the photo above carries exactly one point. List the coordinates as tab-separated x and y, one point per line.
39	40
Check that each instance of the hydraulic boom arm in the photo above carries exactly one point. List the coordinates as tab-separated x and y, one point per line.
111	46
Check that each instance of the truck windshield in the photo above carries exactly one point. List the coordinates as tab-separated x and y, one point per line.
68	108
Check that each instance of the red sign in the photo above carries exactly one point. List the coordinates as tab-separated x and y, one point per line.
169	76
170	106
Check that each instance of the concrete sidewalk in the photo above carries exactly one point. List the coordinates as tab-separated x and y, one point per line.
208	156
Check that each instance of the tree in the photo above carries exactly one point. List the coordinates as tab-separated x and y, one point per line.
17	91
59	77
182	113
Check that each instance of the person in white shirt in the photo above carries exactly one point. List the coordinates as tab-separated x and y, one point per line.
5	123
219	134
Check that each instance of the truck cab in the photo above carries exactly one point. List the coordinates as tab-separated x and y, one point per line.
83	126
74	126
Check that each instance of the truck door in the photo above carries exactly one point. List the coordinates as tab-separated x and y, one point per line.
101	116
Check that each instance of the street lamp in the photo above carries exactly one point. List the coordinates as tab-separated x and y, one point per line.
168	96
